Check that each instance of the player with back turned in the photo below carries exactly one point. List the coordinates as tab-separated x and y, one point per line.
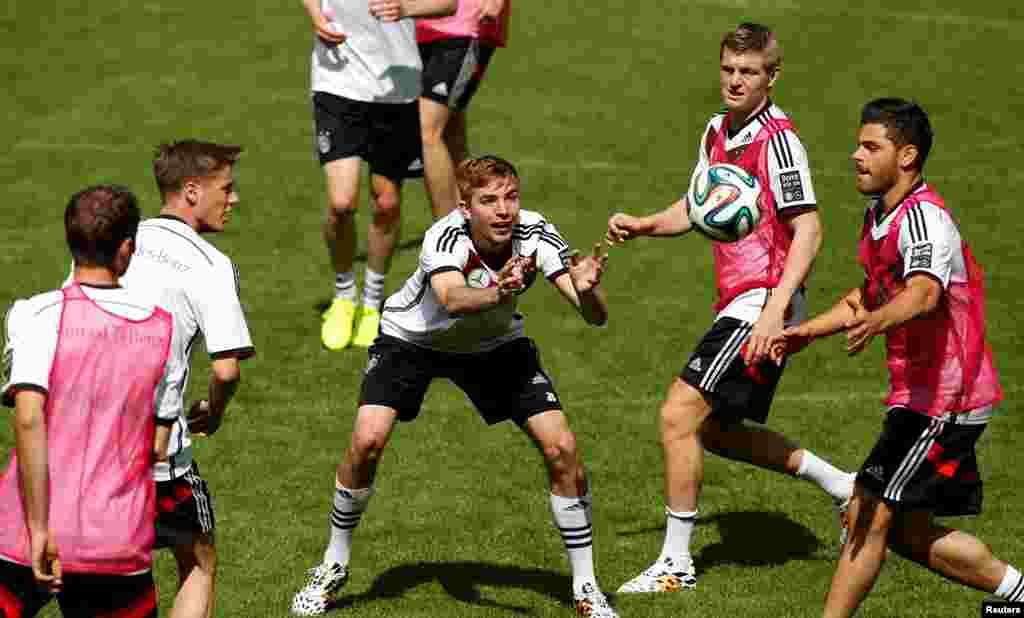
760	280
83	367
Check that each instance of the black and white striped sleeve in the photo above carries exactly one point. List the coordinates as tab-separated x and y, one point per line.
929	242
790	172
551	251
445	250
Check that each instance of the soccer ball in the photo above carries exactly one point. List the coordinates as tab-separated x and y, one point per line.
722	202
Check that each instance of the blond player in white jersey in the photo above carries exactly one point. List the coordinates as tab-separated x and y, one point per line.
199	286
456	318
365	79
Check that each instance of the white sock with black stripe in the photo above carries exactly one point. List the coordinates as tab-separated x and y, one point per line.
345	285
572	517
832	480
348	508
1012	587
678	529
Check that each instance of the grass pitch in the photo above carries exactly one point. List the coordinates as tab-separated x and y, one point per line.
601	105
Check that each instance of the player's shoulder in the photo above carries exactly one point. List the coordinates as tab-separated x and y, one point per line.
33	306
446	233
167	230
530	218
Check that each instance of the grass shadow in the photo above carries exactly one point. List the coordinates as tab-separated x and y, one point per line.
757	538
462	581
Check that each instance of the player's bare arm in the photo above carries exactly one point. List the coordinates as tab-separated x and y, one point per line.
34	476
835	320
920	296
321	26
581	285
161	440
491	9
206	415
806	227
673	221
393	10
458	298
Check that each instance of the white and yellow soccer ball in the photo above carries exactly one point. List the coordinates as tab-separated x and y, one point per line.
722	202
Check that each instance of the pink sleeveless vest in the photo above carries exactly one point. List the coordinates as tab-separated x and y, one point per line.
757	260
99	430
465	23
938	363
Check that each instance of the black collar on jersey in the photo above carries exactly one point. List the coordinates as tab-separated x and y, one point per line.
731	132
880	213
173	218
100	286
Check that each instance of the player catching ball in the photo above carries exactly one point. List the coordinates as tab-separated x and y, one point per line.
456	318
760	282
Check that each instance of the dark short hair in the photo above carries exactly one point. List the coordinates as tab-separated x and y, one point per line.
905	123
97	221
749	36
477	172
176	162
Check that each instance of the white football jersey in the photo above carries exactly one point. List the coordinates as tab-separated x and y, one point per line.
198	285
32	327
378	62
929	240
414	313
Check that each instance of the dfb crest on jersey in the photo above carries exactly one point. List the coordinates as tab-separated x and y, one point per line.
323	141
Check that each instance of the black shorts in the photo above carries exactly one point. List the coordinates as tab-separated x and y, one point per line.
184	508
506	383
385	135
716	368
83	596
920	462
453	70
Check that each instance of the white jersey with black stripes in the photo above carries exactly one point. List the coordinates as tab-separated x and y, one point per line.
929	241
414	313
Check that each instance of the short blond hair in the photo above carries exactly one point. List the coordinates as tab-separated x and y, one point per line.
749	36
477	172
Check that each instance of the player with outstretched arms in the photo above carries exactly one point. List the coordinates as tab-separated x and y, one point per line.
456	318
924	291
83	367
760	281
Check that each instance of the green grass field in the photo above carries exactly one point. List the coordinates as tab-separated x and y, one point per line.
601	105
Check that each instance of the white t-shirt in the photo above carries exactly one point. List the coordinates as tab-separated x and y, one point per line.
198	285
929	241
32	328
791	185
414	313
379	61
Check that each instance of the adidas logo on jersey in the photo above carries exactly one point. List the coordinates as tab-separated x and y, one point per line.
695	365
441	89
876	472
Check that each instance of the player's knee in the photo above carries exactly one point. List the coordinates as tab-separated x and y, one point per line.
677	422
340	207
368	445
432	134
387	207
561	452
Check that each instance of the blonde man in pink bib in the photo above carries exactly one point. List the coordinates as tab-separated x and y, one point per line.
729	380
924	291
84	365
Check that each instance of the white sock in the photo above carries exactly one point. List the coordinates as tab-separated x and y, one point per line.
572	517
345	285
349	505
373	289
834	481
1012	587
678	529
